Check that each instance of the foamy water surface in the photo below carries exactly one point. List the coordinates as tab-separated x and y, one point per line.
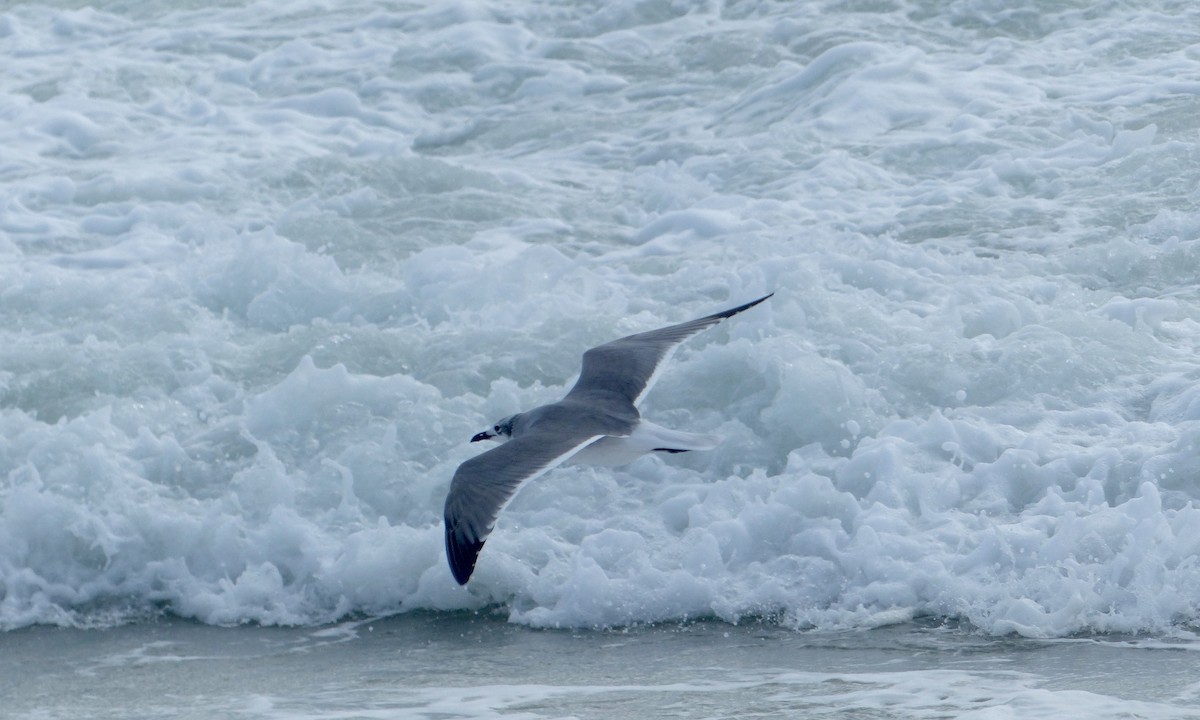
265	268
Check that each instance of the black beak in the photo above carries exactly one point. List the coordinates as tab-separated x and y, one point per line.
482	436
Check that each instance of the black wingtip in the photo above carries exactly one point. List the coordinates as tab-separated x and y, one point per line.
734	311
461	553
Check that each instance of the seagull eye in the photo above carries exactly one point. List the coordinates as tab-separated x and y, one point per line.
497	428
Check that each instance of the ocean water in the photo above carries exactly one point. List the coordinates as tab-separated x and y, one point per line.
450	666
266	267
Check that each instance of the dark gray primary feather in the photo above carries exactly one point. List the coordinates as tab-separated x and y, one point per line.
623	368
484	484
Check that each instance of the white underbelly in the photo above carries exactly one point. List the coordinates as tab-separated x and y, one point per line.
646	437
608	451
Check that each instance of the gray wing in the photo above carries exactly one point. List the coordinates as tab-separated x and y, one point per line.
627	367
483	485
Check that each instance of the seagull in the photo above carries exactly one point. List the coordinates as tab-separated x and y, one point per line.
596	423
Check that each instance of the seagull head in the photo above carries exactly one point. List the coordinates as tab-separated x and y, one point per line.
499	432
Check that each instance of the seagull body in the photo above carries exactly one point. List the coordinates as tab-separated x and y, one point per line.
597	423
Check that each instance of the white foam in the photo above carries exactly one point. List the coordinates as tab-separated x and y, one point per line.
263	273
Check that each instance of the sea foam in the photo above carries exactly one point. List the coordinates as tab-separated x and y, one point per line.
264	272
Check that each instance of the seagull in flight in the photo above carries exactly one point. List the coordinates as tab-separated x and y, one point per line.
597	423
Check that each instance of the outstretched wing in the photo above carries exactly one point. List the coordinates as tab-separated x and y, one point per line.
614	377
483	485
628	367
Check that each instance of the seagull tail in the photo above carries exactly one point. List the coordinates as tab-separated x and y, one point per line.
661	439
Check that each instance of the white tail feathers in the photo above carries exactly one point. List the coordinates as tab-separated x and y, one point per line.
674	440
646	437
